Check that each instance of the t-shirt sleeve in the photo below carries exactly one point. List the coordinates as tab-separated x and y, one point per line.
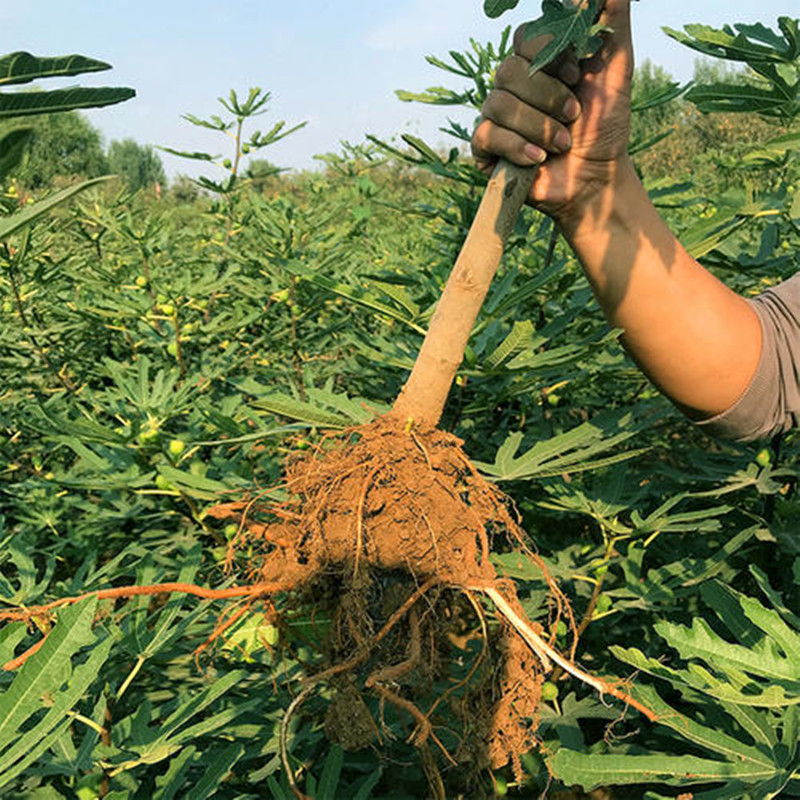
771	403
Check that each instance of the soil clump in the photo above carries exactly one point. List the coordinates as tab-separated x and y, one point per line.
390	528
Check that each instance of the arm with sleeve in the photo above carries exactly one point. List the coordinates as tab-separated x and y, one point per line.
771	403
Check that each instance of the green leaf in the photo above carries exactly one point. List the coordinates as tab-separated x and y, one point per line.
570	452
331	770
712	739
370	782
194	485
172	781
220	765
494	8
22	67
21	104
47	682
732	98
760	659
591	771
11	634
195	156
46	672
725	43
152	744
12	148
520	336
22	219
569	26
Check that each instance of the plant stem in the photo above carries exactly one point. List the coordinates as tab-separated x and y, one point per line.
423	397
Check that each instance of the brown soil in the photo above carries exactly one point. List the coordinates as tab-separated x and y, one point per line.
390	528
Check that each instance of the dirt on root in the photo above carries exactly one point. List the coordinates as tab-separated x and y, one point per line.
390	528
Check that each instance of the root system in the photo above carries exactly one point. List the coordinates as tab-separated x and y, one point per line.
391	528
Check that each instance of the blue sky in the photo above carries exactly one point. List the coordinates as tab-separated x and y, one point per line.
334	64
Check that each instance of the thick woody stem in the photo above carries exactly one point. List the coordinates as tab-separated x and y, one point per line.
423	397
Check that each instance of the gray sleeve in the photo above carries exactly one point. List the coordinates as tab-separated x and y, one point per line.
771	403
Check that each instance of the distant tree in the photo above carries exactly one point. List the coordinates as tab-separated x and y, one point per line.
139	164
263	173
707	70
184	190
701	146
62	145
649	81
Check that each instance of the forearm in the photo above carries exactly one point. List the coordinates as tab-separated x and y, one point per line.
698	341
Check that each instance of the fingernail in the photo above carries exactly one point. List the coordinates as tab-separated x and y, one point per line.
534	153
572	109
562	140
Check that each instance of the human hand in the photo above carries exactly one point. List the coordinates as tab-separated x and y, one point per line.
574	121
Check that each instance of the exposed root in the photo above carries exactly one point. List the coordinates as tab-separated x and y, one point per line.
374	520
547	653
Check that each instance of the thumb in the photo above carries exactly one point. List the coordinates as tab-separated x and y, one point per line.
617	16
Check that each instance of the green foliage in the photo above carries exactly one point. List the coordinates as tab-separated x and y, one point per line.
60	146
21	67
476	64
138	164
773	57
570	26
161	355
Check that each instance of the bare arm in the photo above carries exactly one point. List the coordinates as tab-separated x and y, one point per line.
698	341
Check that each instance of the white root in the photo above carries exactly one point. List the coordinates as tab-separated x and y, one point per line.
547	654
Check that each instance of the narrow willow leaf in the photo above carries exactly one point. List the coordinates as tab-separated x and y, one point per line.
711	739
22	67
724	43
566	452
285	406
774	598
11	634
199	484
760	659
22	219
365	300
731	98
278	792
769	622
25	750
331	770
192	155
22	104
355	408
221	764
370	782
44	674
521	334
201	701
172	781
591	771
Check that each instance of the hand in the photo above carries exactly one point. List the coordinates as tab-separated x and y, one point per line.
527	119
